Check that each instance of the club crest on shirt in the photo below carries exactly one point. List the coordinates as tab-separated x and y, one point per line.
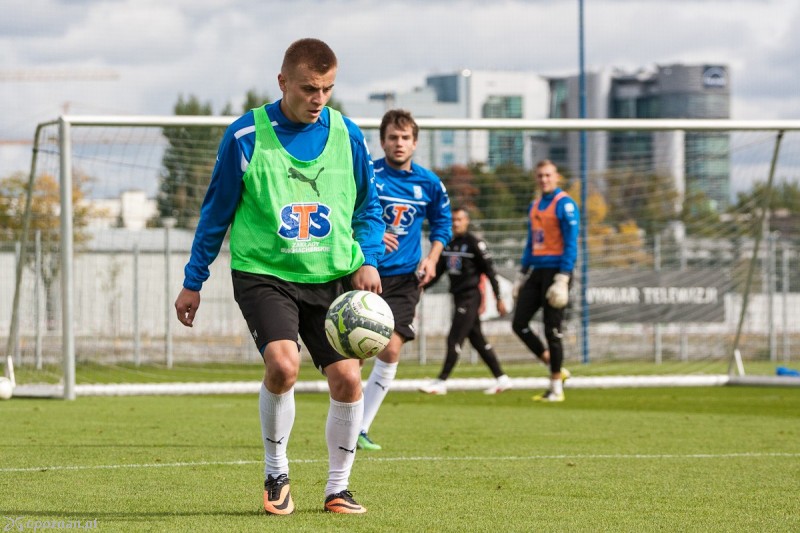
417	192
454	264
399	217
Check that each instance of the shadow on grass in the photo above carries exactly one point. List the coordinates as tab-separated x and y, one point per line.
100	516
116	515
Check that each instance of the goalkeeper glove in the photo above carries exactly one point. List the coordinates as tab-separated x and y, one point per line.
558	293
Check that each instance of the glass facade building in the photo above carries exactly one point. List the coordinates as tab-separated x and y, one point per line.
677	91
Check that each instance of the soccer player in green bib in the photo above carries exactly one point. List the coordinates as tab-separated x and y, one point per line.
294	182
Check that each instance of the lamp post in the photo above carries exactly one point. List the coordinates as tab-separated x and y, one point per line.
584	187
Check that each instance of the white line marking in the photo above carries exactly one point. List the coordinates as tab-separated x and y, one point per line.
410	459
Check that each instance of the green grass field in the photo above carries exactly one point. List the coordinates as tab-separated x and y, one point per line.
683	459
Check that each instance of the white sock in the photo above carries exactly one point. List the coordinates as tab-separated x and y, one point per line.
341	434
277	418
555	386
380	379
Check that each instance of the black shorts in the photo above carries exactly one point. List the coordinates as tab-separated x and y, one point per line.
402	294
281	310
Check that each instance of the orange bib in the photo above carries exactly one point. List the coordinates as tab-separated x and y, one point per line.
547	238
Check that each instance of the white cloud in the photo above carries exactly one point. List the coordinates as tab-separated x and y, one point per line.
217	51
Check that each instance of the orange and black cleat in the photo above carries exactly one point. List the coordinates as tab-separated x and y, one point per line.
343	502
277	496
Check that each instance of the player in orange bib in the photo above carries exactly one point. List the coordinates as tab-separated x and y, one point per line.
547	264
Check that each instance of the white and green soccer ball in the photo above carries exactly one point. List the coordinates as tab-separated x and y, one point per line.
359	324
6	388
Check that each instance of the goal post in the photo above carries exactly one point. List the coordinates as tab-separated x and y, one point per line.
636	167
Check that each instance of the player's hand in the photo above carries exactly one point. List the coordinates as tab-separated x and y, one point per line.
366	278
391	242
519	281
426	271
186	306
558	293
501	307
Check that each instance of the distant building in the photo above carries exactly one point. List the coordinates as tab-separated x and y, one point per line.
131	211
697	161
466	94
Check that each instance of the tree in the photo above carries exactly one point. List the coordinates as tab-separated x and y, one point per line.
647	199
610	245
506	192
784	211
785	195
337	105
46	220
252	99
461	187
699	216
187	165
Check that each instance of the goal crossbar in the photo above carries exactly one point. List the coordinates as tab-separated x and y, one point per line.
464	124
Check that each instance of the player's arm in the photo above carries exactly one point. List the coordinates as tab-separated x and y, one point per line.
368	226
427	267
441	229
569	222
367	278
483	260
485	265
441	264
216	214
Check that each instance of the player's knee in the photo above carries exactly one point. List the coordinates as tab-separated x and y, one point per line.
453	344
281	364
282	372
553	335
345	386
391	354
520	328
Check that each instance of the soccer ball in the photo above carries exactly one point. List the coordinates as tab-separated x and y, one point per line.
359	324
6	388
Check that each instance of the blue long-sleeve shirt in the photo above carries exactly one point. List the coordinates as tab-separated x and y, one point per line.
303	141
569	222
408	197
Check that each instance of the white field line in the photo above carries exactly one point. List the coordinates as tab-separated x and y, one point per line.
408	459
404	385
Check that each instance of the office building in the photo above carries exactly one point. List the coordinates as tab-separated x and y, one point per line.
696	161
467	94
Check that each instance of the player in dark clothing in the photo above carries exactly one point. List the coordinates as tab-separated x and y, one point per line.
465	259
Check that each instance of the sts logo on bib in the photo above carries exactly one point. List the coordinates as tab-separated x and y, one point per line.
305	221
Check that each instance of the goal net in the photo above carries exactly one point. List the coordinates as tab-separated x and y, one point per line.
688	260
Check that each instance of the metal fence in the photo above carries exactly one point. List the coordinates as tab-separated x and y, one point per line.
123	310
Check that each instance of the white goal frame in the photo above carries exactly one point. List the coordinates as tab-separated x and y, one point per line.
66	123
